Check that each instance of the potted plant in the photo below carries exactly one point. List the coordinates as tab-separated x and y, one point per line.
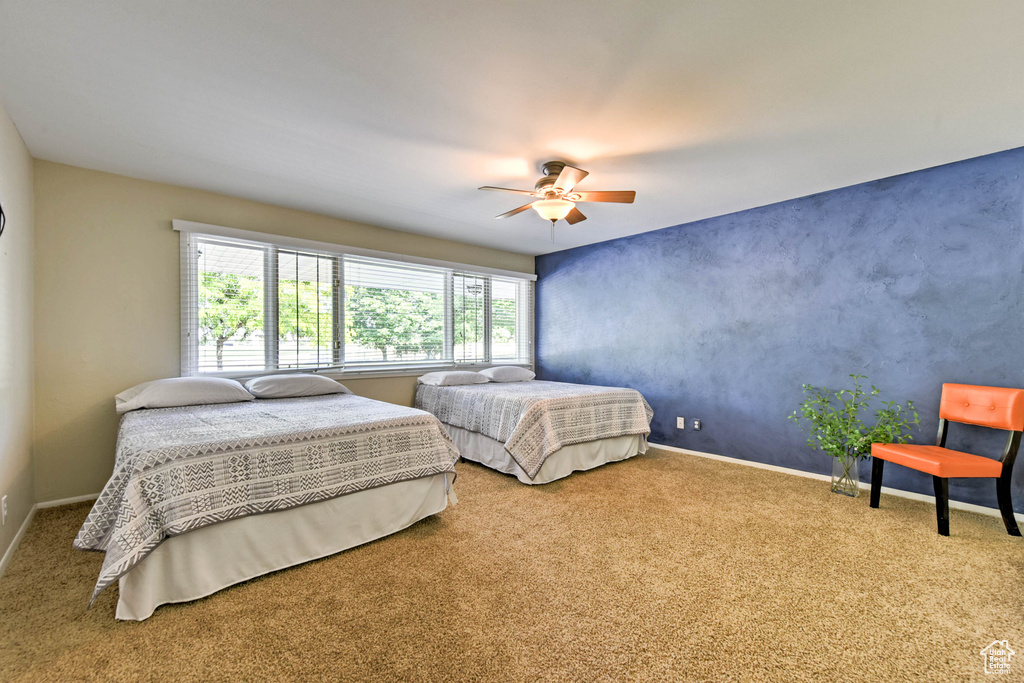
837	428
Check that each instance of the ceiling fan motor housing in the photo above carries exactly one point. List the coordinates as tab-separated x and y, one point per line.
551	170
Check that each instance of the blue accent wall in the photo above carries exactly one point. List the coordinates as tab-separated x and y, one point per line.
913	281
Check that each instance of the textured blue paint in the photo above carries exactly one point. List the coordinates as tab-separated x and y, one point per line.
914	281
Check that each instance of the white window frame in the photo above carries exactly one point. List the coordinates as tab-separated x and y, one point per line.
189	303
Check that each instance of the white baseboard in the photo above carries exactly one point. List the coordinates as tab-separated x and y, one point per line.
67	501
954	504
16	540
32	513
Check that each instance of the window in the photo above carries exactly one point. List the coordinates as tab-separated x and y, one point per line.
256	306
230	312
394	313
306	291
511	316
469	295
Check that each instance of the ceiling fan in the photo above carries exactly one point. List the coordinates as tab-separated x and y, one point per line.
555	196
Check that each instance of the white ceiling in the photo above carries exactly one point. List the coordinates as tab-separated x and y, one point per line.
392	112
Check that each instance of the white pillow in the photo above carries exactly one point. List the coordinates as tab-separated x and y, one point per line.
507	373
181	391
452	378
292	386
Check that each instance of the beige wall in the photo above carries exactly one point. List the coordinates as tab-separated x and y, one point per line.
107	302
15	330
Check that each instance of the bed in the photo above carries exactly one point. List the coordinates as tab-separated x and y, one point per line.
204	497
537	430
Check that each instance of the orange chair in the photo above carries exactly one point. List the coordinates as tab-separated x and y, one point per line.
993	407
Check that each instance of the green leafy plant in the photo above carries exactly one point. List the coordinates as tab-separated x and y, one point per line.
836	426
837	429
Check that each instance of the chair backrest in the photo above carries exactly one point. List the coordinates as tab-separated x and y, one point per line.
996	407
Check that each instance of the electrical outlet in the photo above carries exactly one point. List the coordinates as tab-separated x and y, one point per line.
680	423
696	425
3	511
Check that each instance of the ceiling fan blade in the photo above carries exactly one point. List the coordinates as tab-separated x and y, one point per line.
568	178
618	196
506	189
575	216
513	212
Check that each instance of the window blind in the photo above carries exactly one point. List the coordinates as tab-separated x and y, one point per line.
228	306
394	313
469	297
307	288
250	306
511	320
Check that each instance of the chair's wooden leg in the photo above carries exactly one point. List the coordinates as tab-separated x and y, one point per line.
876	480
1006	505
942	504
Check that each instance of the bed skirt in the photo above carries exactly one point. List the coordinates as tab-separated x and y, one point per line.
563	462
206	560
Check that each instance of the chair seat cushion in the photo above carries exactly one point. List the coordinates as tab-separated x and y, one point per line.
937	461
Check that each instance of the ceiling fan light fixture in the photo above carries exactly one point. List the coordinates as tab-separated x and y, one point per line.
553	209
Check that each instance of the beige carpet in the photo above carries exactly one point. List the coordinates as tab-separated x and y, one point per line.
664	567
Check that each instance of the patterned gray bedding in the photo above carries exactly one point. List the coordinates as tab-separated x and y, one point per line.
179	469
535	419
